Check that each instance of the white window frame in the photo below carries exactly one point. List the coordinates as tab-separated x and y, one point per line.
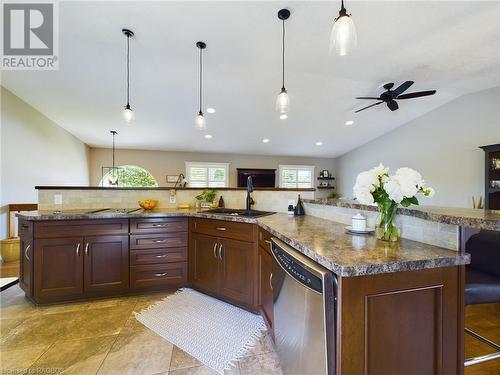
191	164
296	167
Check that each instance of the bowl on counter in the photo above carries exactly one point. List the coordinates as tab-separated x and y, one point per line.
148	204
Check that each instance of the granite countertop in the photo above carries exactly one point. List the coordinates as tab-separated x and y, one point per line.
469	217
324	241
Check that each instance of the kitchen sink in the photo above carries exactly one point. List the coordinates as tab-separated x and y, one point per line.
239	212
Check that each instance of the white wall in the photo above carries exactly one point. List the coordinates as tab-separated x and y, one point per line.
163	163
35	151
442	145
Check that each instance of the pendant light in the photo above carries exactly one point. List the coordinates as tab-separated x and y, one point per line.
113	174
343	38
200	122
128	114
283	100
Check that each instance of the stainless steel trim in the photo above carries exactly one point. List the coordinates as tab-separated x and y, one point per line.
220	251
221	228
267	241
78	249
215	249
26	252
160	274
484	358
161	256
87	249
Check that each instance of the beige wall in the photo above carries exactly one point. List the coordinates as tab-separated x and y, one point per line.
442	145
35	151
163	163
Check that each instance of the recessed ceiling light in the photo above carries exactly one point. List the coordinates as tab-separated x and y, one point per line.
350	122
283	117
319	143
265	140
210	110
208	136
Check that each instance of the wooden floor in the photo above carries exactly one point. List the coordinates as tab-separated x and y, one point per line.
10	269
485	320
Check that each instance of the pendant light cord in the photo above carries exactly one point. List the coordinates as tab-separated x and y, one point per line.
113	152
283	57
128	71
201	75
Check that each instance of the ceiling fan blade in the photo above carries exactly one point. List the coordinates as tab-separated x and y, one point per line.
416	94
392	105
402	88
371	105
367	97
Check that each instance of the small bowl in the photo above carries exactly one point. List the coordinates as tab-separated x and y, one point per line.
148	204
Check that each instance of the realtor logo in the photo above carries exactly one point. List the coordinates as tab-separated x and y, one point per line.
29	36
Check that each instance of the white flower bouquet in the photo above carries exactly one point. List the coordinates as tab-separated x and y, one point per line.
376	186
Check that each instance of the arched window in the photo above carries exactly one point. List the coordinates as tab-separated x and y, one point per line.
130	176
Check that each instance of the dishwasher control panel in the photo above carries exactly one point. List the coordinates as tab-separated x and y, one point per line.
296	270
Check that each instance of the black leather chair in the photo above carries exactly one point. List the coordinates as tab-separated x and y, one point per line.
482	281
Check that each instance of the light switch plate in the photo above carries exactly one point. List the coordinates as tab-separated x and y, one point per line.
58	199
173	199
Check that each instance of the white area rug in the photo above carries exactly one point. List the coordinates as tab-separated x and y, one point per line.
214	332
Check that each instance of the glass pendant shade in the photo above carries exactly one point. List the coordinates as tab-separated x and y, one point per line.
200	122
343	38
283	102
113	177
128	114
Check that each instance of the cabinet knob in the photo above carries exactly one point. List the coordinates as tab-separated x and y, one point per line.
221	228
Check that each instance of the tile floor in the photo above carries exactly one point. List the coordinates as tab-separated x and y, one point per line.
101	337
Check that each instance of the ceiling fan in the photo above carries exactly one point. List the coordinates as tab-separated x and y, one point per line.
390	96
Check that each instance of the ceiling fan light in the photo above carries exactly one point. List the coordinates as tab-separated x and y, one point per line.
283	102
343	38
128	114
200	122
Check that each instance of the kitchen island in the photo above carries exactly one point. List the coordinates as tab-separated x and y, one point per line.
399	305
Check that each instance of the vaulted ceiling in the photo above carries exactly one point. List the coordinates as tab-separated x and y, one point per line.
449	46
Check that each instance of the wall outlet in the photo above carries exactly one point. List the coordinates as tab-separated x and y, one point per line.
173	199
58	199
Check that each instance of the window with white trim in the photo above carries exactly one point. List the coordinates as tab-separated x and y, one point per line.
296	176
202	174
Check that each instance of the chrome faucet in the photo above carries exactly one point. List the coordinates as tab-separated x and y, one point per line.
249	190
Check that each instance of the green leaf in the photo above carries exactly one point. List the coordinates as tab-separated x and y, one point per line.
406	202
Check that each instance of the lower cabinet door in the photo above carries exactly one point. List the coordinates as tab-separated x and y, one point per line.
155	276
106	263
204	262
25	263
238	271
58	268
265	286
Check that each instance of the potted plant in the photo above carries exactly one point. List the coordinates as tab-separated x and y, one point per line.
206	198
376	186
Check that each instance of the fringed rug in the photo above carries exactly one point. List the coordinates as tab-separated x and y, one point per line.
214	332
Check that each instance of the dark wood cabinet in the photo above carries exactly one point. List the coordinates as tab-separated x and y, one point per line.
25	263
106	263
266	304
237	265
58	268
204	262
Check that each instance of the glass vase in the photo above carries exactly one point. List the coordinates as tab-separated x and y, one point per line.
385	229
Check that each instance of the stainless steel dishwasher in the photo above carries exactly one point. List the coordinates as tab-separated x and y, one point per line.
304	312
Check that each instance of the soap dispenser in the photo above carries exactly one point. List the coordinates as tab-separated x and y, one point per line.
299	208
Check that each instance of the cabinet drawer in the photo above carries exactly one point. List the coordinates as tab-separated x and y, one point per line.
158	225
155	241
69	228
154	275
25	228
173	254
265	239
226	229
